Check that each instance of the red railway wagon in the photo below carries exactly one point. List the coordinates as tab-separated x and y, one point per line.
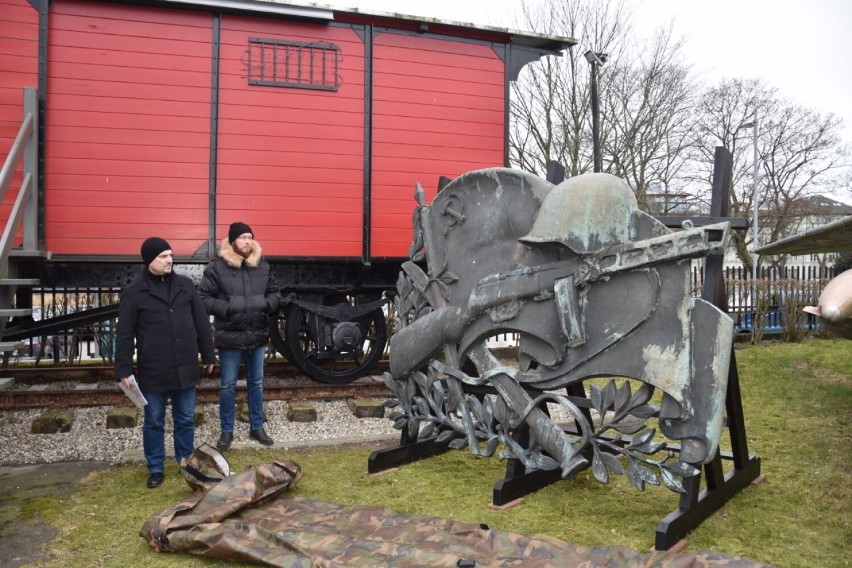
176	118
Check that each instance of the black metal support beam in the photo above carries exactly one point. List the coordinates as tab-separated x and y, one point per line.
679	523
381	460
696	505
30	328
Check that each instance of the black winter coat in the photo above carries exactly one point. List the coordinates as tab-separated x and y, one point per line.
241	294
168	331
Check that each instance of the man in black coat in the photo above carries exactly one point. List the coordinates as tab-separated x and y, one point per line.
239	291
162	317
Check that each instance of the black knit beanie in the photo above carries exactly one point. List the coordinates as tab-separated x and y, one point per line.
152	247
237	229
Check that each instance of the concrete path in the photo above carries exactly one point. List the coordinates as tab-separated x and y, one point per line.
22	535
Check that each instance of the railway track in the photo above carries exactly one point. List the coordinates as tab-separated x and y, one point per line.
95	386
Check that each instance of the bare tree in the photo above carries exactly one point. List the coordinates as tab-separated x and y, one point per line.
800	153
722	112
646	99
659	128
648	123
550	106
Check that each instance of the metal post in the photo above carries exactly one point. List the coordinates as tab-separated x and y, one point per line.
595	60
30	166
755	200
596	125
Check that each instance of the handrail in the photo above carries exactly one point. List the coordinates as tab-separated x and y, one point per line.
24	210
16	153
15	217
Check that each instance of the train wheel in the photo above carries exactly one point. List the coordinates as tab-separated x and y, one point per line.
327	363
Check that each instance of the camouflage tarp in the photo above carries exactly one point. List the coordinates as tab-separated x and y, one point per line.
247	517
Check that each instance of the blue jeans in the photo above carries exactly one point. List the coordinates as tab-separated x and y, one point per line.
229	361
153	429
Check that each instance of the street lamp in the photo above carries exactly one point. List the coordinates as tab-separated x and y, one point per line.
754	196
596	59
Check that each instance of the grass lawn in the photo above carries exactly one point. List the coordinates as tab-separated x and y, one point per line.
797	401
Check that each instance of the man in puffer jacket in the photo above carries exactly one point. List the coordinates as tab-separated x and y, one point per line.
238	290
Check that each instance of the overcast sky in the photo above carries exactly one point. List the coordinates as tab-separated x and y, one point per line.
801	47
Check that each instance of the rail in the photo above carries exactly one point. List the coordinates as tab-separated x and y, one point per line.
95	386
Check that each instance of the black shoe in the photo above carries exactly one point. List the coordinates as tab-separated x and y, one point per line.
261	437
155	480
224	442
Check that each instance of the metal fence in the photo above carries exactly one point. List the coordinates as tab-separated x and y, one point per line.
775	301
90	343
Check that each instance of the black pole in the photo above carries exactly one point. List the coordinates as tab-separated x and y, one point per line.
595	60
596	121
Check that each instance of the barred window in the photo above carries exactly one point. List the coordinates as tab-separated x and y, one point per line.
301	65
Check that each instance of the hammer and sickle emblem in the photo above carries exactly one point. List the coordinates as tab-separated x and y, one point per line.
452	211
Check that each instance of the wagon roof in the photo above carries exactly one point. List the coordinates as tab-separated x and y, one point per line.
313	11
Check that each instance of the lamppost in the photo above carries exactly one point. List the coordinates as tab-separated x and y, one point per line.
754	196
595	60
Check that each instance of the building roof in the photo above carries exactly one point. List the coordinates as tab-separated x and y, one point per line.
319	12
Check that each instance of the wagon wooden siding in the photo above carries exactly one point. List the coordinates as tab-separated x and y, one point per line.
18	64
127	147
438	109
18	69
154	124
291	160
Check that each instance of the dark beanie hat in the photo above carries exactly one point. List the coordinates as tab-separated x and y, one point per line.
152	247
238	229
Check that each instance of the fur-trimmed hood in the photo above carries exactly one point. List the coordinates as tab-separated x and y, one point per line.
234	260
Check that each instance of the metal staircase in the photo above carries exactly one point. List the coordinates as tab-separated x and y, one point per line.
21	225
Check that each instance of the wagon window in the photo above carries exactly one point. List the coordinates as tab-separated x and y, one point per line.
281	63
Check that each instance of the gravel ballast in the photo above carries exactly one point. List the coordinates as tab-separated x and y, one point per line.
90	439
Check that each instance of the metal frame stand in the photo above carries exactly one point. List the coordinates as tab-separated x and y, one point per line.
695	504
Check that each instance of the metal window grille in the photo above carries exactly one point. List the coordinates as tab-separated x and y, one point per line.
301	65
